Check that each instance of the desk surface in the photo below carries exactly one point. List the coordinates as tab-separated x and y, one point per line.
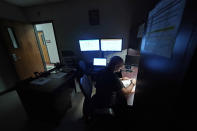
131	75
53	83
49	101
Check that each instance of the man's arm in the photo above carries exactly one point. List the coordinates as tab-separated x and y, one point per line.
128	90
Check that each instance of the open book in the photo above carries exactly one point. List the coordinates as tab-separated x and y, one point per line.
126	83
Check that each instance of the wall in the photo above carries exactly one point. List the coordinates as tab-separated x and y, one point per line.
2	85
11	12
7	72
139	15
161	79
71	20
12	114
49	35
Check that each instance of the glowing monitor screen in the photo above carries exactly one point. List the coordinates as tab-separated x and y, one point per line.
89	45
111	44
99	62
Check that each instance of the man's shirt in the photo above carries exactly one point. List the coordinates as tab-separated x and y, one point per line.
107	84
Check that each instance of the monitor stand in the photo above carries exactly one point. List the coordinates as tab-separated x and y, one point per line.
98	68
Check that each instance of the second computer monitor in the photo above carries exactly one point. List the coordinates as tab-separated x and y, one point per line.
89	45
111	44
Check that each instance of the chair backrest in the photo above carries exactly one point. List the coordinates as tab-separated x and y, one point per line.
86	86
82	66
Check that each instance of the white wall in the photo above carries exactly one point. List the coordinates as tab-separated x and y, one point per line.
71	20
49	35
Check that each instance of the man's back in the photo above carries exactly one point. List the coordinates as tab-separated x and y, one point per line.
107	84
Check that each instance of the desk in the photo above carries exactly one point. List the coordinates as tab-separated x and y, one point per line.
131	75
48	101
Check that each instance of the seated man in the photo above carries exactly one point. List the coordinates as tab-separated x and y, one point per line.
109	86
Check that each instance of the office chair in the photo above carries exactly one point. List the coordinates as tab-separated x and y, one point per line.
88	109
82	65
86	88
95	118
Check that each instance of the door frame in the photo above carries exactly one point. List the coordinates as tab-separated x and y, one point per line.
44	42
12	24
39	46
54	30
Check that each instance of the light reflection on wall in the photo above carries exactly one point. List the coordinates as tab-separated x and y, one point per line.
160	65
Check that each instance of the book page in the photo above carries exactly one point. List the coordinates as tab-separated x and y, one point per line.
130	97
126	83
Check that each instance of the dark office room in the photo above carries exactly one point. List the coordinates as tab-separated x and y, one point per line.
93	65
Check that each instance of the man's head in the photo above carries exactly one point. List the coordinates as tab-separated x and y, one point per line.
115	64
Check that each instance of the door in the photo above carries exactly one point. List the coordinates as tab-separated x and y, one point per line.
24	52
43	47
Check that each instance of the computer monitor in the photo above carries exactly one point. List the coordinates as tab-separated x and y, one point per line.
89	45
100	62
111	44
132	60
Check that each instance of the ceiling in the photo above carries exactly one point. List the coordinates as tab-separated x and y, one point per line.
27	3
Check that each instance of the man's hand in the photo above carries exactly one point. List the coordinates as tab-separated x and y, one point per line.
134	81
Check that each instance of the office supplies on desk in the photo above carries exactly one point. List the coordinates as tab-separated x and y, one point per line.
130	74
